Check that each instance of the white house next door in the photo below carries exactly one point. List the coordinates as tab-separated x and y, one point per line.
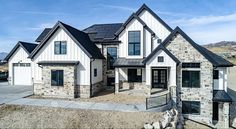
22	74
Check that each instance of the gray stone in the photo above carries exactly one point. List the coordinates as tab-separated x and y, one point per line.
156	125
148	126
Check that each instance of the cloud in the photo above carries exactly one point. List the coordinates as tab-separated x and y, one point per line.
125	8
40	27
206	20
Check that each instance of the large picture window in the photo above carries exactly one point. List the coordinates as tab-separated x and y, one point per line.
134	42
57	77
111	57
191	107
134	75
191	79
60	47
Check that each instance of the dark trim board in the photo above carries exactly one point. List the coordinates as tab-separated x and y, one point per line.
58	63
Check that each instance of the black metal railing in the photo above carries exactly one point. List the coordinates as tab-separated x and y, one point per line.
157	101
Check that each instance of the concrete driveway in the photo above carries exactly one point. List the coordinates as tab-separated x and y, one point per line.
10	93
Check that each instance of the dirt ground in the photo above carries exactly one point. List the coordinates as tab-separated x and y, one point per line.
108	97
12	116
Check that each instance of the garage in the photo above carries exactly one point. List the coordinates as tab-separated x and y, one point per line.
22	74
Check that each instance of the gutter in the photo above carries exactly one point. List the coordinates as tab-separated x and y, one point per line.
91	76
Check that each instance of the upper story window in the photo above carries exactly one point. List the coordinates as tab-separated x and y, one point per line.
216	74
190	65
160	59
191	79
60	47
111	57
134	43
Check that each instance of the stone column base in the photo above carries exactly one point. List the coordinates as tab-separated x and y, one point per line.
84	91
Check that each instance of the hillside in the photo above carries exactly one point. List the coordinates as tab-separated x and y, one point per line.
226	49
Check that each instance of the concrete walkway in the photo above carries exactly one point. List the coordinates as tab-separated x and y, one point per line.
79	104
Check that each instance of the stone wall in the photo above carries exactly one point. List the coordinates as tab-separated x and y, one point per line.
135	86
68	90
223	121
185	52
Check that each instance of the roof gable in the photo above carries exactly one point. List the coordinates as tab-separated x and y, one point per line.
43	34
216	60
134	16
157	49
79	37
145	7
28	47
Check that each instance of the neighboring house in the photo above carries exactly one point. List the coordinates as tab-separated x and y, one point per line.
143	55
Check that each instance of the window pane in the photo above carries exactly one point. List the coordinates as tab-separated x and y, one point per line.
191	107
185	107
195	107
185	79
160	59
195	78
57	78
111	57
63	47
134	42
53	78
57	47
131	49
137	49
95	72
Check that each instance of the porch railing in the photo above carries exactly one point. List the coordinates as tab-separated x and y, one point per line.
157	101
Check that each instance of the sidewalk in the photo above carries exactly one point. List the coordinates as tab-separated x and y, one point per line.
79	105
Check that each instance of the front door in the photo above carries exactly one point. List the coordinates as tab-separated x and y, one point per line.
215	111
159	78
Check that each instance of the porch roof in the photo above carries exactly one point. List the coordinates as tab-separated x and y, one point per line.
221	96
122	62
58	62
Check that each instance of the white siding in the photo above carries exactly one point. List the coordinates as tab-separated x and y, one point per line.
74	53
168	62
221	83
19	56
161	31
134	25
97	64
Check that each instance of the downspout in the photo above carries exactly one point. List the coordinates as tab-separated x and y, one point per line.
91	89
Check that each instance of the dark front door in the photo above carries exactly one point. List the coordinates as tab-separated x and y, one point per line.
159	78
215	111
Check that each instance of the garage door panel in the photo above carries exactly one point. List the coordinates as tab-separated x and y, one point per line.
22	74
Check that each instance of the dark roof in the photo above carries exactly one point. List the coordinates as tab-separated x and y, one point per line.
28	47
216	60
122	62
160	47
43	34
133	16
221	96
82	39
103	32
58	62
145	7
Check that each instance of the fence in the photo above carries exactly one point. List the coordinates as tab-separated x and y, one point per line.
157	101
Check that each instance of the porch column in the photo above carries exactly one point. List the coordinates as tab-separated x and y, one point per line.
117	80
173	84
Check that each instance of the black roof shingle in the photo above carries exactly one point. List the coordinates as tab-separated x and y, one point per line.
43	34
122	62
221	96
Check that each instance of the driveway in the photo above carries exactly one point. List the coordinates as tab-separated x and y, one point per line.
10	93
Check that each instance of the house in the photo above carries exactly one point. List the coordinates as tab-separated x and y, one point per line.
143	55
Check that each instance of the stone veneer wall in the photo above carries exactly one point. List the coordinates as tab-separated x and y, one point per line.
136	86
185	52
69	90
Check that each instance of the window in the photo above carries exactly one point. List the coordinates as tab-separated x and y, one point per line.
191	107
191	79
95	72
160	59
134	42
159	40
134	75
111	57
60	47
190	65
57	78
216	74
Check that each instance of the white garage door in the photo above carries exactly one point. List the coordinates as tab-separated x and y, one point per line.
22	74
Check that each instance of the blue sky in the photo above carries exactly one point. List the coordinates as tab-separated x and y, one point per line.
205	21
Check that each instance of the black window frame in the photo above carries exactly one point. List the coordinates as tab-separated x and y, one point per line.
133	75
215	74
59	74
134	43
191	82
191	65
160	59
188	107
61	52
95	72
111	58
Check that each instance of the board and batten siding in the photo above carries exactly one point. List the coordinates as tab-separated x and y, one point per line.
74	53
19	56
168	62
97	64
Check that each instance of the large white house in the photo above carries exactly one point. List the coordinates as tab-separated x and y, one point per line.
143	55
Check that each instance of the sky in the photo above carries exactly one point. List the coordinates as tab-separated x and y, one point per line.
205	21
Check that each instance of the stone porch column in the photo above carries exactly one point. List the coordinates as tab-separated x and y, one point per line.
117	80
